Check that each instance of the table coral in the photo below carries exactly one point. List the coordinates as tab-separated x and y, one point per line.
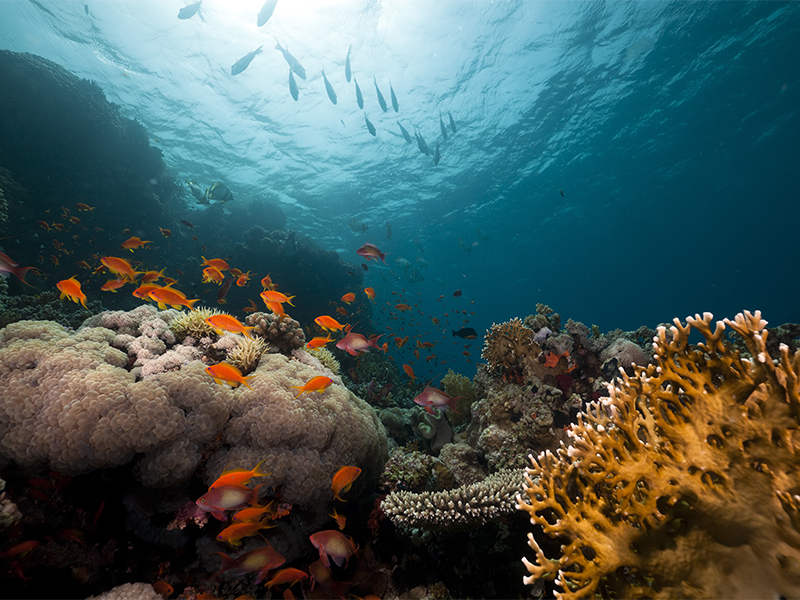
684	481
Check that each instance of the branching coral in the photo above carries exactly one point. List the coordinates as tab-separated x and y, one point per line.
684	482
452	510
507	344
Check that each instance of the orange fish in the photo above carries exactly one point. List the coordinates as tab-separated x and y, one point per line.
44	225
276	307
341	310
143	291
335	544
261	559
153	275
370	293
227	497
349	297
400	342
22	549
343	479
340	519
228	323
229	374
242	279
120	266
317	384
71	288
410	372
165	232
213	275
112	285
83	264
250	309
216	263
233	534
319	342
284	576
273	296
266	283
169	296
84	207
75	220
134	242
169	281
235	273
328	323
254	514
402	307
163	588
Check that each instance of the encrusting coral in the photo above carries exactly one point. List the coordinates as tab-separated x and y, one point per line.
684	481
283	332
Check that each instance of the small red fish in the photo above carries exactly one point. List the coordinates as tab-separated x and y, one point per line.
239	476
348	297
355	343
343	479
261	559
165	232
134	242
227	497
334	544
371	252
316	384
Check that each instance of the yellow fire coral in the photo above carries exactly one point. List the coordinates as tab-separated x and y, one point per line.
684	482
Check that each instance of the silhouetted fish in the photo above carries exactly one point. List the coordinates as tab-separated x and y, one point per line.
370	126
359	97
347	73
381	99
293	62
187	12
441	126
468	333
293	86
395	106
452	123
266	12
405	133
329	88
244	62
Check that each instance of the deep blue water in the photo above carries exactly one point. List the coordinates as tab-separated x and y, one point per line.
670	127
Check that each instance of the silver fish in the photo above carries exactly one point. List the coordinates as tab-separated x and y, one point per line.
441	126
359	97
187	12
329	88
395	106
244	62
293	62
436	156
405	133
197	192
370	126
452	123
266	12
381	99
293	86
347	72
357	225
402	262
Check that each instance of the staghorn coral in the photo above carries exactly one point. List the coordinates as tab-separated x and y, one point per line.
507	344
244	356
684	481
193	323
461	508
282	332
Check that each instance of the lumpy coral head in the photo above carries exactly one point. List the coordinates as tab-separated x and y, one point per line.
684	482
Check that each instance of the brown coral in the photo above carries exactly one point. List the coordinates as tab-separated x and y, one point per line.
283	332
507	345
684	482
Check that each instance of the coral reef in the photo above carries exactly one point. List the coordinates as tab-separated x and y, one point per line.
283	333
244	356
66	400
507	344
683	481
459	386
326	357
407	469
193	323
465	507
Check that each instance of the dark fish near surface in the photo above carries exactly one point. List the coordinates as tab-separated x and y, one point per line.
187	12
468	333
329	88
293	62
423	147
405	133
370	126
187	223
266	12
359	97
436	156
456	294
244	62
441	126
395	106
86	8
452	123
347	72
293	86
381	99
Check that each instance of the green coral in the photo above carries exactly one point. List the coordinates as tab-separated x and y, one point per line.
193	323
326	357
459	386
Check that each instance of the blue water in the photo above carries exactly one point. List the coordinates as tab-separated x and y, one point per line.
671	129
